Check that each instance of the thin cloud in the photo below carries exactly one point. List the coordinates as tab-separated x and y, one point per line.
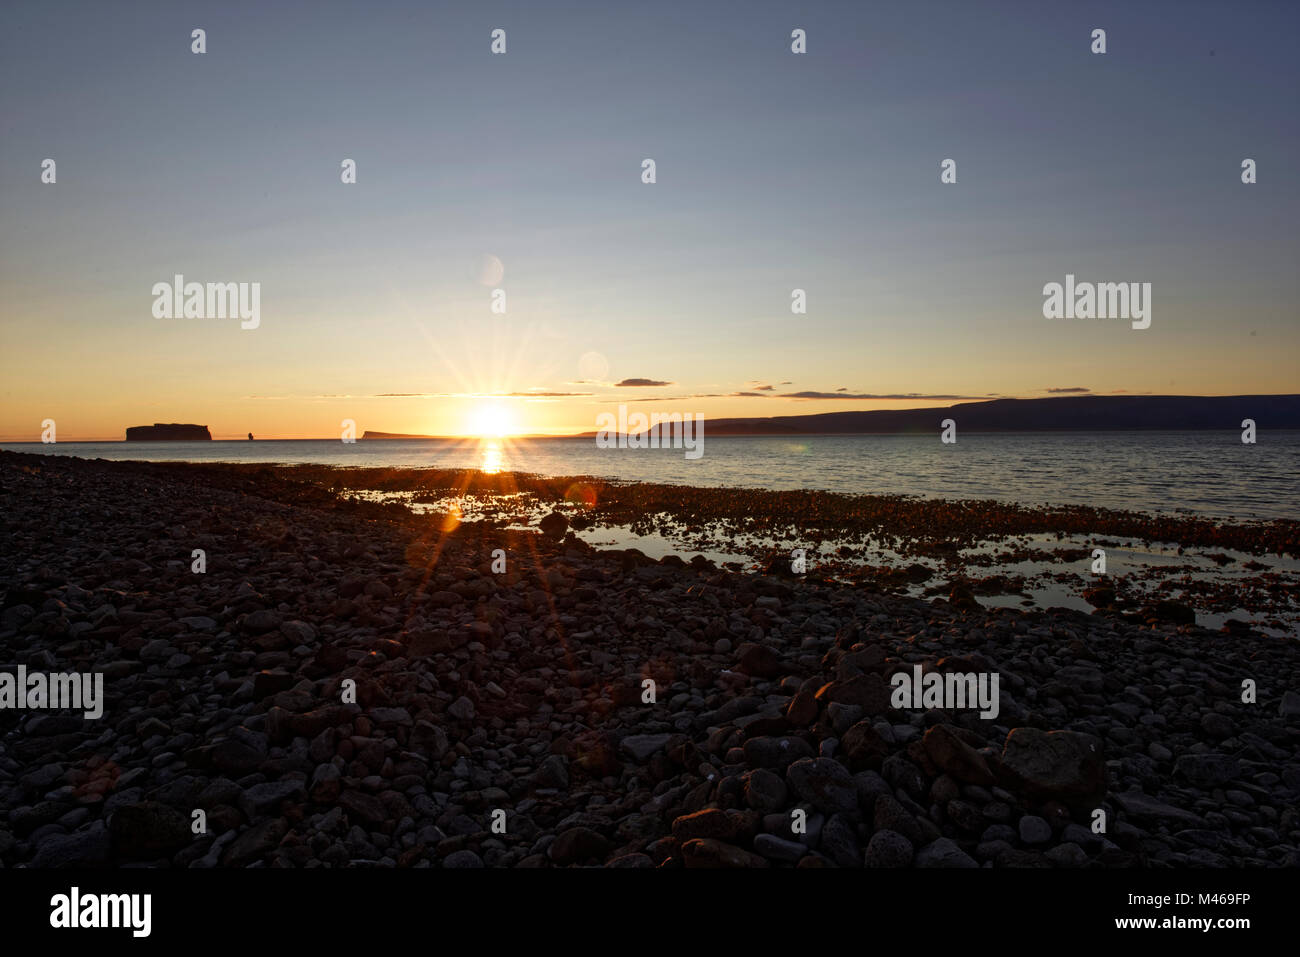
678	398
1073	388
867	395
644	383
540	394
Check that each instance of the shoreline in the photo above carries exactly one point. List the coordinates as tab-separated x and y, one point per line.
1232	575
522	691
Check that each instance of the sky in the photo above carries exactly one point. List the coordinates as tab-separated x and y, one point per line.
522	171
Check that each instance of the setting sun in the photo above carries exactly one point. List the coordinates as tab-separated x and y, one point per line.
492	420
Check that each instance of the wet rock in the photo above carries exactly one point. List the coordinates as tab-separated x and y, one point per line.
554	525
1174	611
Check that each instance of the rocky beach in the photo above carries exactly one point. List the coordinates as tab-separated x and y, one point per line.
335	682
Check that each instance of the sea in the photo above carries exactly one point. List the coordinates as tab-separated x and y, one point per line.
1211	474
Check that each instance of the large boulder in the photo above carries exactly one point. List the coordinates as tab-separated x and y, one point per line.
944	746
1060	766
869	692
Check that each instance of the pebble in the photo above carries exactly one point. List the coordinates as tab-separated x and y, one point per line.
523	692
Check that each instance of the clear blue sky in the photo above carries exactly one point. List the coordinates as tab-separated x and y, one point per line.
775	171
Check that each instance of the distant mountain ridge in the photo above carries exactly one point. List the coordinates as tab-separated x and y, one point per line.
1058	413
1079	413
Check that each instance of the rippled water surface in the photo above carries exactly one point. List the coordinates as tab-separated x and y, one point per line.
1207	473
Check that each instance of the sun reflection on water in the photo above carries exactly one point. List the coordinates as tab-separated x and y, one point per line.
490	457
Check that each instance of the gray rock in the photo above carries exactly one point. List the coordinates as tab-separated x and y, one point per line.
298	632
552	773
777	849
462	860
90	847
255	843
888	849
1035	830
890	815
1056	765
462	709
389	717
158	649
1143	807
262	620
326	783
148	829
765	791
840	842
944	853
1217	726
1207	770
777	753
824	783
262	799
578	844
640	747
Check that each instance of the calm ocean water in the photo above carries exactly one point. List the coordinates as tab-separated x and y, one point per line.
1207	473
